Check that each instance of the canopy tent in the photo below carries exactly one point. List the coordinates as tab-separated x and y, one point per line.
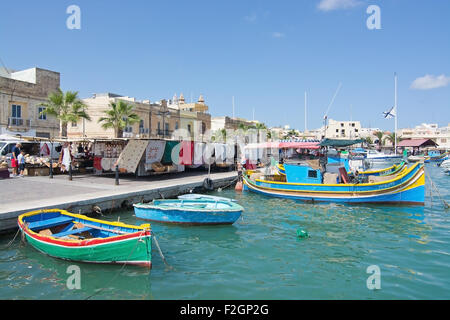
339	142
417	143
284	145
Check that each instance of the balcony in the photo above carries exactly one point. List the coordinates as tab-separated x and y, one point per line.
143	131
19	123
165	133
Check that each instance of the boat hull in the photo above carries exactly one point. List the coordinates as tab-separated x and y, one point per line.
133	248
180	215
408	188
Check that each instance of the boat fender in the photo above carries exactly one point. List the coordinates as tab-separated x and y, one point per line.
208	184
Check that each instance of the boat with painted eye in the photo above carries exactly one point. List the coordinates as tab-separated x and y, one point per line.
307	183
193	212
195	196
76	237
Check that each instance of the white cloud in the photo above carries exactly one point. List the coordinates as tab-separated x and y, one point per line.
430	82
251	18
278	35
329	5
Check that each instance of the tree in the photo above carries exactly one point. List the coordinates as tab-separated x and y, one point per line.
368	140
118	117
379	136
66	107
391	138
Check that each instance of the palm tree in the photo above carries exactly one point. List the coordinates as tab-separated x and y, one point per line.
391	138
66	107
119	117
368	140
379	136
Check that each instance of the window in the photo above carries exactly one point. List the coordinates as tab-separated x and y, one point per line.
189	128
337	130
176	125
356	130
40	115
312	174
342	125
16	111
74	124
353	124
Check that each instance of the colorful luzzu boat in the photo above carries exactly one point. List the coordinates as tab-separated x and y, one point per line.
395	169
75	237
194	212
304	183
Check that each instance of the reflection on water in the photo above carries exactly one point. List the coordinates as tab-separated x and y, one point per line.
260	256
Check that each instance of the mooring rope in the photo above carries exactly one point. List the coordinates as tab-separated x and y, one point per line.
446	205
160	252
11	242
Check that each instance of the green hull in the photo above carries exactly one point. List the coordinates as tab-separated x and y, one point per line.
130	251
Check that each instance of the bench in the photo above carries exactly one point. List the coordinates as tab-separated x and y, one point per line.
70	232
44	224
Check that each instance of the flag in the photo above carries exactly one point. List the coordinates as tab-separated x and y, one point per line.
390	114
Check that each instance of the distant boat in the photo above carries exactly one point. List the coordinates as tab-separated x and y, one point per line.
196	212
195	196
374	155
75	237
445	164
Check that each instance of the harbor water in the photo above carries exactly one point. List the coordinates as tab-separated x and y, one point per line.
261	257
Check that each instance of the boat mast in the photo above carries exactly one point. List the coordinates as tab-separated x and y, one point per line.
395	115
306	128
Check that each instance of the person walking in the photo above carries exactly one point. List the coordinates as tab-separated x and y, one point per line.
14	159
65	158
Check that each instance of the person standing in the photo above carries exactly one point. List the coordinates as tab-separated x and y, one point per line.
65	158
14	159
21	160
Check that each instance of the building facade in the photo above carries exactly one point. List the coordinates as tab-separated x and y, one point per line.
159	119
343	129
21	93
428	131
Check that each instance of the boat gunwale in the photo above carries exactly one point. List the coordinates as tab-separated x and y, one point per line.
398	177
418	174
142	232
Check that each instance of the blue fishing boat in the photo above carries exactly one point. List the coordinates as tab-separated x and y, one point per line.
194	211
303	182
195	196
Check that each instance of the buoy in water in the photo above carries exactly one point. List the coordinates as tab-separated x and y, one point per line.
302	233
238	186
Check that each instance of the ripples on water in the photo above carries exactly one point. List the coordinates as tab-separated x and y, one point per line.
260	257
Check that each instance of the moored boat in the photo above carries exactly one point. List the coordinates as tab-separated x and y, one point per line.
194	211
195	196
307	184
75	237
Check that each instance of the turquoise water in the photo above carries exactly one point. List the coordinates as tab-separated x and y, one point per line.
260	257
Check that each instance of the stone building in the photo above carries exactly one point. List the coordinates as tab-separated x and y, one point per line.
159	119
21	93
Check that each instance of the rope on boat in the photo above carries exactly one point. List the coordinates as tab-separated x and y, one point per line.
231	183
123	266
446	205
11	242
160	252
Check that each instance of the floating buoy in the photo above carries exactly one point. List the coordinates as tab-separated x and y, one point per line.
238	186
302	233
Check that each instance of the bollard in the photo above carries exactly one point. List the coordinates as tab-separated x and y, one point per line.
51	169
70	171
117	175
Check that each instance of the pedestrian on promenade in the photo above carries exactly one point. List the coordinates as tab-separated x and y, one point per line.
21	161
14	160
65	158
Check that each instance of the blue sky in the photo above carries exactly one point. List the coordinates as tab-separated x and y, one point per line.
264	53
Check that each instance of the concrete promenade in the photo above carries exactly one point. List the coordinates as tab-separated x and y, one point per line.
84	192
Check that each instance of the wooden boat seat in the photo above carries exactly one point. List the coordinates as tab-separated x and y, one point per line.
45	224
344	175
71	232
